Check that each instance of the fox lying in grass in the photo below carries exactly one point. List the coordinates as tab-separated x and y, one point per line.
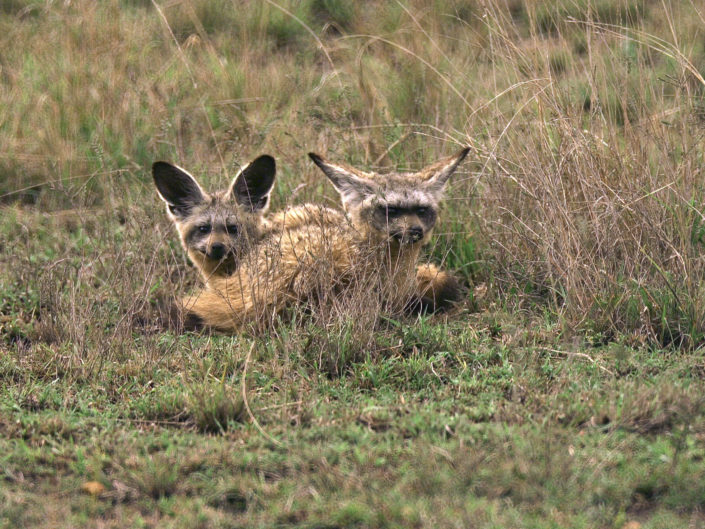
319	256
405	208
217	229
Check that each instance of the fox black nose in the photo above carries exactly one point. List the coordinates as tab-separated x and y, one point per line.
415	233
409	236
217	251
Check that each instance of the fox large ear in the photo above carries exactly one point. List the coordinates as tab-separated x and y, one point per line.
177	188
351	186
436	175
252	186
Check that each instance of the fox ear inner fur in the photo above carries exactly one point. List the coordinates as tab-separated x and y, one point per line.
351	185
177	188
437	174
252	186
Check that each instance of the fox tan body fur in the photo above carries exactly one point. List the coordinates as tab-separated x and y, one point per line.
322	254
217	229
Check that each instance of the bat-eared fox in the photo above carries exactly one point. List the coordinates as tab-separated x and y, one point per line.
217	229
319	254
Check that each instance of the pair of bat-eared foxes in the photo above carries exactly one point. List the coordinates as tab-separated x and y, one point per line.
255	268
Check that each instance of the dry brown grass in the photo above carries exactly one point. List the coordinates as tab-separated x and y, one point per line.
585	195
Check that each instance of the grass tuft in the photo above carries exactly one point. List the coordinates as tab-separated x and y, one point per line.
215	406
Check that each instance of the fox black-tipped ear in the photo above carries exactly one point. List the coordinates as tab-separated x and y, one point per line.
436	175
177	188
351	186
252	186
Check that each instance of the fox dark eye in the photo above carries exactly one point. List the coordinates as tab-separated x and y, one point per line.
232	229
204	228
392	212
421	211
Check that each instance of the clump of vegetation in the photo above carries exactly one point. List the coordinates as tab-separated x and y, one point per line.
213	406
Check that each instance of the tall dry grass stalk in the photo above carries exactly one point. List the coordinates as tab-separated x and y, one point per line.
596	206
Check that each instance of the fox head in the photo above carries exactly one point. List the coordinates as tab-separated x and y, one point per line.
399	208
217	229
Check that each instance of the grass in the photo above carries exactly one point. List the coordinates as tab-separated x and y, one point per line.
498	431
566	392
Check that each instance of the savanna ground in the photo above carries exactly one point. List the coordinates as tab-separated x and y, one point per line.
567	391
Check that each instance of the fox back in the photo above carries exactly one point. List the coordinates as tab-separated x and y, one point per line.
217	229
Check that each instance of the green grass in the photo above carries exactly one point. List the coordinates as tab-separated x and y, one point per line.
567	391
478	425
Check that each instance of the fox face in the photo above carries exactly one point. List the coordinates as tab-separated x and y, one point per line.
399	208
217	229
